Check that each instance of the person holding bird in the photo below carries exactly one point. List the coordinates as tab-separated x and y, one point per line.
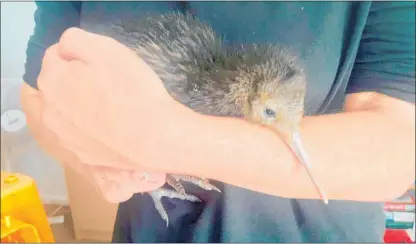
212	95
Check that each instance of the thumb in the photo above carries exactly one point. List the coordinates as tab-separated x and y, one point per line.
87	47
31	102
79	44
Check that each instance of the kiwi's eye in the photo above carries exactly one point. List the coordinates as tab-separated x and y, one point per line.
269	113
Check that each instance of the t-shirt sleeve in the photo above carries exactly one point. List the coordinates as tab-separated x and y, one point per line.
51	20
386	57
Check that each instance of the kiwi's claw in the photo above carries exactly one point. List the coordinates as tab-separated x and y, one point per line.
161	192
201	182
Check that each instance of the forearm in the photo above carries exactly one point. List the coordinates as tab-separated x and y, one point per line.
361	155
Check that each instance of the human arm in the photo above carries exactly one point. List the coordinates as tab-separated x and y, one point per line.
365	153
372	160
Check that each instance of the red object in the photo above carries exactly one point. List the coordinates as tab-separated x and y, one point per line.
399	207
397	236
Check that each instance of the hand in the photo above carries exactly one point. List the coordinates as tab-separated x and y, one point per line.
115	183
103	102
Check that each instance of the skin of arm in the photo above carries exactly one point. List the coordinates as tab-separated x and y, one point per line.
366	153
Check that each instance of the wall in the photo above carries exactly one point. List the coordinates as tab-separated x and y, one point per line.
24	156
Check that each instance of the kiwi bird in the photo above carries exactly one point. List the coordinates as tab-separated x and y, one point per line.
262	84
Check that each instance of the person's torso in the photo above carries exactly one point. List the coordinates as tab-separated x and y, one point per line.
325	36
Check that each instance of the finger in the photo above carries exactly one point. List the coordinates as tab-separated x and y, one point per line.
54	81
31	102
71	98
74	92
112	183
152	181
81	168
52	67
50	56
32	105
120	185
85	46
82	90
87	149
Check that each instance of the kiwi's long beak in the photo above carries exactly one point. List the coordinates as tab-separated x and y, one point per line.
301	153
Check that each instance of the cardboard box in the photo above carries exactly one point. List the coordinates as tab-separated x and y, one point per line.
92	215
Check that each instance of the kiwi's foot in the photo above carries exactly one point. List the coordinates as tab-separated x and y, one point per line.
174	183
161	192
201	182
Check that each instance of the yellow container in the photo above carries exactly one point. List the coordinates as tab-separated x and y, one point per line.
23	217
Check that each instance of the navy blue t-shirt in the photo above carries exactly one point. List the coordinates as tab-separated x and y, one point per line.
345	47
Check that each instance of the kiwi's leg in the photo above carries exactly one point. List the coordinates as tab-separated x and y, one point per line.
161	192
201	182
